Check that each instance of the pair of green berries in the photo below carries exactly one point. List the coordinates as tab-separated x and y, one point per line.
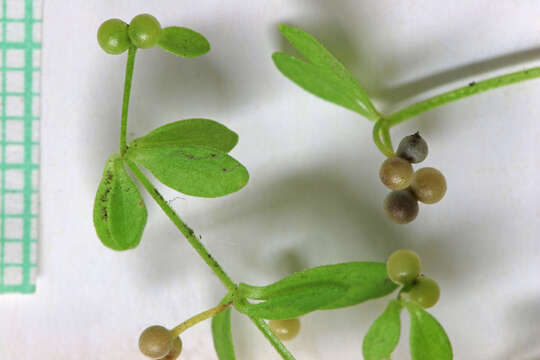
403	267
115	36
427	185
157	342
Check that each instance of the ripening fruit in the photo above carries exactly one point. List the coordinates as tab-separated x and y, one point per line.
113	36
396	173
144	30
413	148
175	351
428	185
155	342
401	206
403	266
425	292
285	329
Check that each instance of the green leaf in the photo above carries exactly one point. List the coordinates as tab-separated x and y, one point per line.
428	340
299	301
190	132
319	81
192	170
119	210
315	52
383	335
364	280
182	41
221	332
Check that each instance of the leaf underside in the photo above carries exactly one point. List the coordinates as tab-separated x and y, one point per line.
383	335
183	42
364	281
190	132
297	302
428	340
119	210
192	170
222	335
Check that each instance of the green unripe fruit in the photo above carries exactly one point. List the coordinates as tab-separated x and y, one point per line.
413	148
428	185
113	36
175	351
425	292
403	266
401	206
396	173
144	31
156	342
285	329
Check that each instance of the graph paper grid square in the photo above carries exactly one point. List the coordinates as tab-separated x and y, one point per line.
20	44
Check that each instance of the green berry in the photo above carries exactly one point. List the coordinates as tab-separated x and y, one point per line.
413	148
396	173
403	266
156	342
401	206
175	351
144	31
113	36
428	185
425	292
285	329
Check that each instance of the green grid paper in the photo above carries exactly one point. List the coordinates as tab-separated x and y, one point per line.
20	44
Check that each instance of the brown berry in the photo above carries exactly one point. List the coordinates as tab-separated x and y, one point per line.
155	342
401	206
285	329
428	185
396	173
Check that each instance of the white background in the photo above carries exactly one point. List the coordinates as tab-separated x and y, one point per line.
314	196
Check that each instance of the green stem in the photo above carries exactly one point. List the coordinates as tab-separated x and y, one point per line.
125	102
456	94
380	129
184	229
198	318
271	337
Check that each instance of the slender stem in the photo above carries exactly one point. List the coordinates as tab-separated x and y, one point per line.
271	337
456	94
127	92
378	129
184	229
198	318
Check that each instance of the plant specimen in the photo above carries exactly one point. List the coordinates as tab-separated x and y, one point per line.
323	75
191	156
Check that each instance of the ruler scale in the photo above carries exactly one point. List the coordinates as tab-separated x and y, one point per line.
20	44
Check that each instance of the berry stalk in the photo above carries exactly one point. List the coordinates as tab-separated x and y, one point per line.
198	318
130	65
462	92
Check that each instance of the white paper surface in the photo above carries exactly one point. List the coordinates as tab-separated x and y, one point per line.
314	196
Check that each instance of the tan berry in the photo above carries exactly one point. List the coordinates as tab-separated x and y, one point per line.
428	185
155	342
396	173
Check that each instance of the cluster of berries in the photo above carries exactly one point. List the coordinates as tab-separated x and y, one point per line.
403	267
426	185
115	36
